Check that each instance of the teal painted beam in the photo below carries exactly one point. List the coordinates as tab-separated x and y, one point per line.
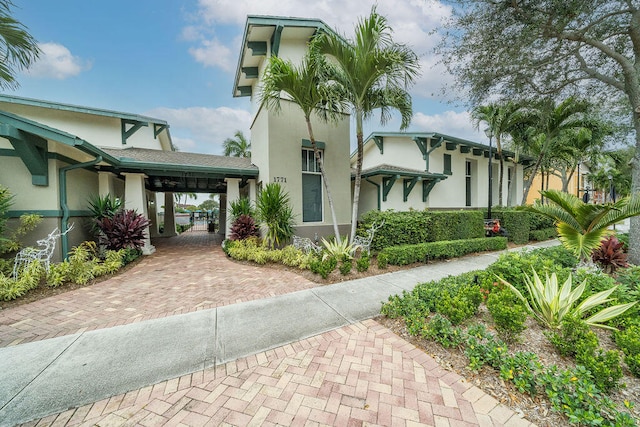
387	184
135	126
244	90
422	145
380	143
478	151
464	149
377	191
407	186
157	129
257	48
427	186
275	40
250	72
32	150
450	146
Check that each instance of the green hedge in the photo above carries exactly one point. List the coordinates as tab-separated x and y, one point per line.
544	234
423	252
414	227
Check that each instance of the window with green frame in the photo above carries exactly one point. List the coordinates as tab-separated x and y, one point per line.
311	187
447	165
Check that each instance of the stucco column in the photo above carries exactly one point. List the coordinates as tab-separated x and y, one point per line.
105	184
233	194
253	193
135	198
169	216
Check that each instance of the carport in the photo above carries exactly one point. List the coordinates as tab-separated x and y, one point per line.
172	172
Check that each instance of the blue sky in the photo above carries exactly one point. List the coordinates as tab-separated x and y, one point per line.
175	59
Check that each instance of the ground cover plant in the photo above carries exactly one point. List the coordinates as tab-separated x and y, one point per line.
564	373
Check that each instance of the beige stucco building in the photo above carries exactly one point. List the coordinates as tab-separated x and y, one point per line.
420	170
280	146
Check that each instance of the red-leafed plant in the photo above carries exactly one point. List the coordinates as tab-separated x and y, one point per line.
124	230
610	255
244	227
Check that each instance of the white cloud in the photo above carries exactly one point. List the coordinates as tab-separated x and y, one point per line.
412	21
57	62
451	123
201	129
212	53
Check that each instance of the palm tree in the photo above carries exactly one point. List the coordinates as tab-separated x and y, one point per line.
178	197
501	118
543	129
582	226
371	72
18	48
305	86
238	146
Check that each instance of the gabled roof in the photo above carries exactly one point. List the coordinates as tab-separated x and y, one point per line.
78	109
261	38
385	169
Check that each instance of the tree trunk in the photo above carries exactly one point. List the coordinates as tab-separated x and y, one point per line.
527	185
356	185
501	172
634	229
325	181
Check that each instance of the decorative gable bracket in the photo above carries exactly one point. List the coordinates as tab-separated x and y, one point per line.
421	142
32	150
387	184
135	126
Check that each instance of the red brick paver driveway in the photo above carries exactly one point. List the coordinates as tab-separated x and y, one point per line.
186	273
358	375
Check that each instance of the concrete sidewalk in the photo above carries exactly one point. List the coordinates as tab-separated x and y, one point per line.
51	376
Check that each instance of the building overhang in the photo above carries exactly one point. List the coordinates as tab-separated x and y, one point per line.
262	37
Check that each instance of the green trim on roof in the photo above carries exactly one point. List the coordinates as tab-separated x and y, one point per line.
32	150
476	146
46	132
135	127
387	184
77	109
275	40
250	72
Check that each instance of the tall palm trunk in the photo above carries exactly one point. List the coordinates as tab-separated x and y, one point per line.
501	172
325	181
356	184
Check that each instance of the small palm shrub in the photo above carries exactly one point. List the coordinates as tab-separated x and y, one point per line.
275	212
610	255
243	227
242	206
103	207
125	230
341	249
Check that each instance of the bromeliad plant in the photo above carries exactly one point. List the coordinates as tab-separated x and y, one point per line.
550	304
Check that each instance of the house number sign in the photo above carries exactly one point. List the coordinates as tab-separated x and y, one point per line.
279	179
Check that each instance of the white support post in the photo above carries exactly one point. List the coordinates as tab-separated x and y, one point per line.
135	198
233	194
253	194
105	184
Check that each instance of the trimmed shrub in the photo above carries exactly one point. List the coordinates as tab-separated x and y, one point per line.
409	254
544	234
414	227
509	314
